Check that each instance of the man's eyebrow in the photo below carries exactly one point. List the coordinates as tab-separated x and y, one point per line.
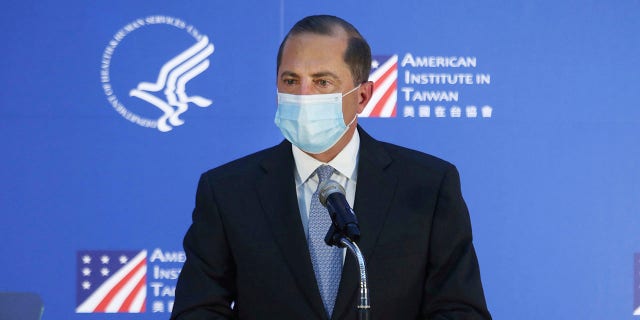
320	74
289	74
323	74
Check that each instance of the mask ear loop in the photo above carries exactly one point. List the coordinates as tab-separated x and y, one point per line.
352	90
352	121
356	115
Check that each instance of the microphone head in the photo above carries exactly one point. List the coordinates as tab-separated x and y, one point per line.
327	188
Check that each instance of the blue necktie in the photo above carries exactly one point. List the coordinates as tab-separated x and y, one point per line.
326	260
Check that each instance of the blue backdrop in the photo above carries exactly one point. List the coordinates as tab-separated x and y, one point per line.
550	170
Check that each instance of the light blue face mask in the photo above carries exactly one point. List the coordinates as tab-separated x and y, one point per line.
313	122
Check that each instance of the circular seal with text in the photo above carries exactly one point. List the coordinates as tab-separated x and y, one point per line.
153	59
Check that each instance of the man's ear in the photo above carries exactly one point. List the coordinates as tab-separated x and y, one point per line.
364	95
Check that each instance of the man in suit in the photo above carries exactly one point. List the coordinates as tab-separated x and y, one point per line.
252	251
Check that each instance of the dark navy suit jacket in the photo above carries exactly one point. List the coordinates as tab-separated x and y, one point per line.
247	245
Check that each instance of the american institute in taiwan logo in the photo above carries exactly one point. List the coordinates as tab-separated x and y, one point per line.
111	281
435	87
127	281
384	75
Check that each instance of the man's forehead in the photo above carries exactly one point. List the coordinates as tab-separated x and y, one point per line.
316	45
316	55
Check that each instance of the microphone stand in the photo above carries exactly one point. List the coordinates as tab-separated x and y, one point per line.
335	238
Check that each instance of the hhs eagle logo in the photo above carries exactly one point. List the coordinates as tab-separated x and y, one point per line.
172	81
161	102
111	281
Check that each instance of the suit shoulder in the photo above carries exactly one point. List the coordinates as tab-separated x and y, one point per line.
245	167
414	158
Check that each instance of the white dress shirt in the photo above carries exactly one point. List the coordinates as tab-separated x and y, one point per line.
346	174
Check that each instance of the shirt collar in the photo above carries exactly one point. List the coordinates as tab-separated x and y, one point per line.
345	162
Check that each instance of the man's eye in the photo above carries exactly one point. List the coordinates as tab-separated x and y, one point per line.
289	82
322	83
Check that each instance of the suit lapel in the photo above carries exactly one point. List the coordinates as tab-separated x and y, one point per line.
278	198
374	191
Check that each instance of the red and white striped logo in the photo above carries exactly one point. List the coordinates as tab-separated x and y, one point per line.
112	281
384	74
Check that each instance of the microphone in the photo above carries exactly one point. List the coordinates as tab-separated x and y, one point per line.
344	232
332	196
